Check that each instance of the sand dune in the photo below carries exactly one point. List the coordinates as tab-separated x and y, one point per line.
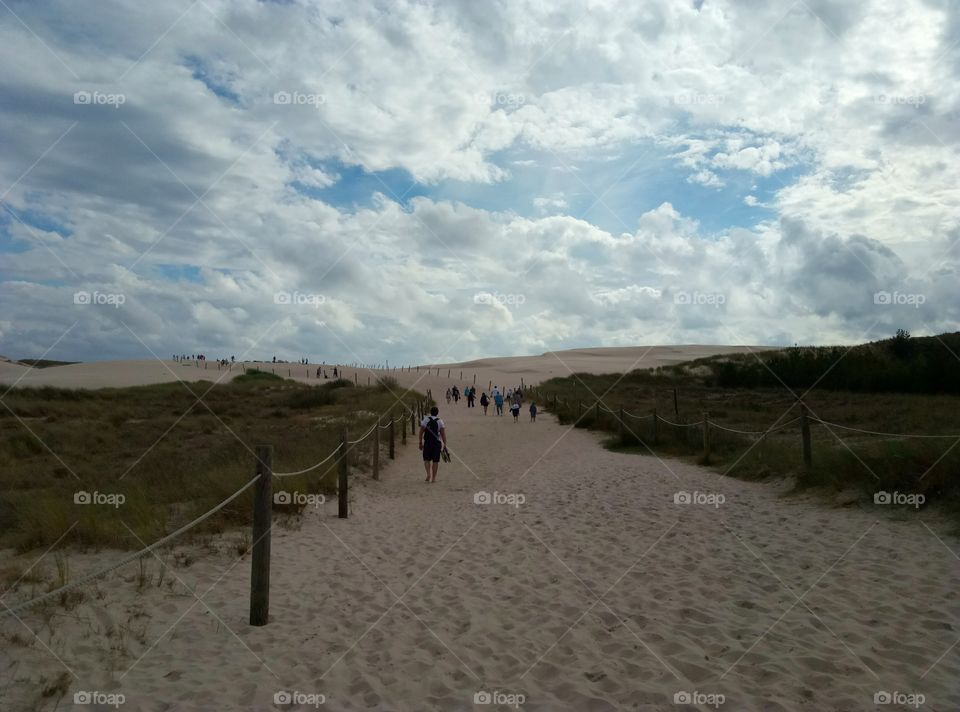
503	370
597	592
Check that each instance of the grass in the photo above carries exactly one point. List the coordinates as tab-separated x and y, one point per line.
172	451
842	460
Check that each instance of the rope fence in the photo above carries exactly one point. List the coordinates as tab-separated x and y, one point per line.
701	429
262	516
128	559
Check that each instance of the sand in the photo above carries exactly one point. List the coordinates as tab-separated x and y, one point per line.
100	374
597	592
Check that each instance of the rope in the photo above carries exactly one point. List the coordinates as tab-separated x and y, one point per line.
754	432
126	560
362	437
312	467
395	420
875	432
637	417
679	425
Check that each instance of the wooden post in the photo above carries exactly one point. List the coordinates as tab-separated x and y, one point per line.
403	431
676	406
656	427
354	378
474	379
623	431
413	424
376	450
368	379
392	446
706	437
448	373
805	431
596	415
262	523
343	501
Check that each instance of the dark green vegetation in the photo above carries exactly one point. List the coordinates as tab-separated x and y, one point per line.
842	459
43	363
902	364
172	450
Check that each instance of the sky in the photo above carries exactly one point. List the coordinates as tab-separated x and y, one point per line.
439	181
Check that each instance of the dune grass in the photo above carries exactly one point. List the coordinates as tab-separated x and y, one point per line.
842	460
171	450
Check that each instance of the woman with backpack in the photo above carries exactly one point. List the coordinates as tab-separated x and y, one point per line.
433	443
484	401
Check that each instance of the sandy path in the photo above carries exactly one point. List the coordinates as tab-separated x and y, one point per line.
598	593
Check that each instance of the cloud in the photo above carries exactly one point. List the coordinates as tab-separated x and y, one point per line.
262	148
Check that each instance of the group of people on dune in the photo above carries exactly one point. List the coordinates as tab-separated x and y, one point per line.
514	397
433	431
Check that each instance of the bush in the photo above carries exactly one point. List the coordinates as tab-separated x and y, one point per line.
338	383
312	397
388	383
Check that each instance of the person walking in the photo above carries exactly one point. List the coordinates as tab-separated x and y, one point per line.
433	442
498	402
484	402
448	396
533	412
515	411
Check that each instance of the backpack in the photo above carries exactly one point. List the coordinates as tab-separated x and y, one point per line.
433	427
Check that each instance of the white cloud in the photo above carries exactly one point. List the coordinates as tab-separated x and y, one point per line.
449	94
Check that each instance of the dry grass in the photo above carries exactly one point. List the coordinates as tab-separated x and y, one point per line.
172	450
842	460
